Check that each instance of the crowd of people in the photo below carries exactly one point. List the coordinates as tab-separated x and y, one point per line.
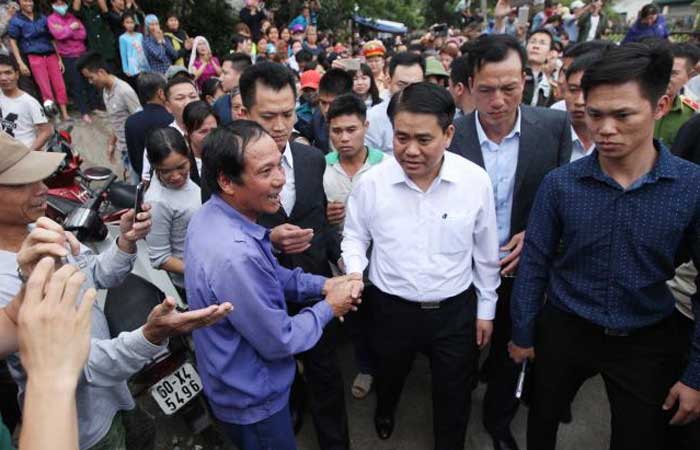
518	186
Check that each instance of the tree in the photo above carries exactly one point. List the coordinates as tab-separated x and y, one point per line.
213	19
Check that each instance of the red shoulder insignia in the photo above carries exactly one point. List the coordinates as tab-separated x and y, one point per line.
689	102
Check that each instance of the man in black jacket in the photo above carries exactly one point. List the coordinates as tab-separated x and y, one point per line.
151	89
517	145
300	234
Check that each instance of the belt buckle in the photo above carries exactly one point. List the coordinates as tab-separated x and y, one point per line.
430	305
616	332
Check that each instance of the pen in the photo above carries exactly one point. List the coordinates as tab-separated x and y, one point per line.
521	380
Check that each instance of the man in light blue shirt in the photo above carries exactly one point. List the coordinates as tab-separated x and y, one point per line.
500	162
518	146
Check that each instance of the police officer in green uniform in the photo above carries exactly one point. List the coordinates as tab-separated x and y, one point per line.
666	128
682	108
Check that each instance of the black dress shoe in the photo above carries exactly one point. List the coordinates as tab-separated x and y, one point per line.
505	443
384	426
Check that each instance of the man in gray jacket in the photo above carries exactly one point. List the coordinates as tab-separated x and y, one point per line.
26	236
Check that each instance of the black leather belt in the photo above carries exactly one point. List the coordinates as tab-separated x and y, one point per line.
434	304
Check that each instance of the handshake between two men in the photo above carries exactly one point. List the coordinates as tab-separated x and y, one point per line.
344	293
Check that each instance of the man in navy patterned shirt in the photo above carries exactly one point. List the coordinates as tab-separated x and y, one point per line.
603	238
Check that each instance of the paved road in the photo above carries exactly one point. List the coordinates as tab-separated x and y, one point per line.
589	430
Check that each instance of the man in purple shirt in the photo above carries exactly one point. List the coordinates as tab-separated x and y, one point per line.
246	362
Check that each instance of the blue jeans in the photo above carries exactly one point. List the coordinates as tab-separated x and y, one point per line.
273	433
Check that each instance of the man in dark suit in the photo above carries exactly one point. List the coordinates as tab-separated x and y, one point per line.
151	86
300	234
518	146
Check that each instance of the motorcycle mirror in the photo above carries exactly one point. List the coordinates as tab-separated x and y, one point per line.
50	108
97	173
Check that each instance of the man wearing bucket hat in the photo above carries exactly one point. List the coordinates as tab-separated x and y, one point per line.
26	237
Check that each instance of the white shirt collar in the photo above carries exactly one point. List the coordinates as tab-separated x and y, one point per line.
447	172
481	134
575	138
177	127
287	155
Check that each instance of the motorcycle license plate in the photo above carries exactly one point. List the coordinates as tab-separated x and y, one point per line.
177	389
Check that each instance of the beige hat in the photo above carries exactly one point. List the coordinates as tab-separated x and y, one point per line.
20	165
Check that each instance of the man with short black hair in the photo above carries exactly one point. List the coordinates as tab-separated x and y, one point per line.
120	100
350	160
232	66
300	234
249	372
604	260
242	44
517	145
537	89
404	69
333	83
682	107
429	216
151	87
179	92
571	52
21	115
582	138
459	86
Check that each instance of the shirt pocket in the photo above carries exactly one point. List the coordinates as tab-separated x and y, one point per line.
453	233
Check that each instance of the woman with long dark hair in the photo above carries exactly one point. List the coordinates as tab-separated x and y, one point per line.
174	198
200	119
364	85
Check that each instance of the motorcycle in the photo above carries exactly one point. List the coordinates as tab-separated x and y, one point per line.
90	203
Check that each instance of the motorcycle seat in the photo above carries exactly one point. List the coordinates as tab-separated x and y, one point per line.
121	194
128	305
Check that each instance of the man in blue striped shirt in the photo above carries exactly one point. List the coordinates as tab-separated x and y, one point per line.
603	238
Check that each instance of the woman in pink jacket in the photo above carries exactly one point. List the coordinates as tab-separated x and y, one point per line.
69	34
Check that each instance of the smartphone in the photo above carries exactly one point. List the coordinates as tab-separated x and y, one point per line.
351	64
523	14
138	199
439	30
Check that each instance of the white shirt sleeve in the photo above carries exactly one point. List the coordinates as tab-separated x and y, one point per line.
486	269
356	234
36	111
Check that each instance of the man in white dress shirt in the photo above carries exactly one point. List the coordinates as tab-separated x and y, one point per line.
581	137
430	217
404	69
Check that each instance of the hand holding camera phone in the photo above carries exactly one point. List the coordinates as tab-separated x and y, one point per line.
138	200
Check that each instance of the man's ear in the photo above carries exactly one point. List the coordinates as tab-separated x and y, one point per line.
227	186
663	106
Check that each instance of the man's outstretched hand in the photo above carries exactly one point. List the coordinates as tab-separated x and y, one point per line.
165	321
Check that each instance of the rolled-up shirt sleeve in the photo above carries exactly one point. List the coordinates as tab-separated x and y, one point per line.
113	361
486	269
356	233
261	316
